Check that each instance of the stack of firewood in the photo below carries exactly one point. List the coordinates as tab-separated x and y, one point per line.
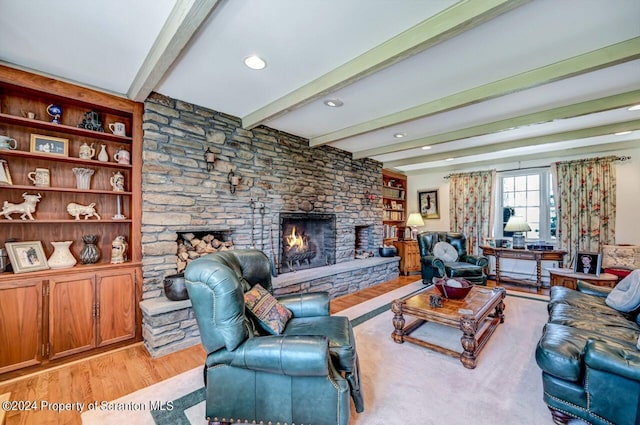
190	248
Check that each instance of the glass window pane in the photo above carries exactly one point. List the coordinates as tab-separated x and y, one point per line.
507	184
533	214
533	198
508	199
520	199
521	183
533	182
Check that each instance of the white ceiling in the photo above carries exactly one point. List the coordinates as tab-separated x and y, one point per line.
476	80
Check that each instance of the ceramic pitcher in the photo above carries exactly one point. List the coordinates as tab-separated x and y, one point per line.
40	177
86	151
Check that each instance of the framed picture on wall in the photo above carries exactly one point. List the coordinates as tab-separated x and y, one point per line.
428	204
49	145
588	262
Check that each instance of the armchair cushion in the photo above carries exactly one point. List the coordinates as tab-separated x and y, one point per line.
445	251
270	314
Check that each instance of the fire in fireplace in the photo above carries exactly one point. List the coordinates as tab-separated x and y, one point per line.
307	240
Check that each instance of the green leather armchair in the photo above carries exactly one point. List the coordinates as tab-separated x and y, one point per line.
470	267
304	375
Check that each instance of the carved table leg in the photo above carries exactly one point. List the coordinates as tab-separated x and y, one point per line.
468	326
398	322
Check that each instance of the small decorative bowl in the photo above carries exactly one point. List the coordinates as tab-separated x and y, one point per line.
453	292
387	251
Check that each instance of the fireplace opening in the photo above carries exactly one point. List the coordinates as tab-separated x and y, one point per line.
307	241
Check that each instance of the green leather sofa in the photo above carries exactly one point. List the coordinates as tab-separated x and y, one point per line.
589	360
469	267
302	376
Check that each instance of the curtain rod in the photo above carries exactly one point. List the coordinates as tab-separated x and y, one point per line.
618	158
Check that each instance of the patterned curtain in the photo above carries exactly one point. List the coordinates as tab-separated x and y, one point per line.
472	201
586	202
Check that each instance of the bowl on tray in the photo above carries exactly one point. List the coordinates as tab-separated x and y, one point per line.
455	289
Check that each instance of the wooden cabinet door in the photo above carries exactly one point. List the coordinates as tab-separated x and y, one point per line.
71	314
116	306
20	324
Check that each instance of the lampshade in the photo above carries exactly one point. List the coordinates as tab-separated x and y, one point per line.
415	219
517	224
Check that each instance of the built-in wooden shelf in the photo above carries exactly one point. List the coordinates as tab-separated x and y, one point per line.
67	129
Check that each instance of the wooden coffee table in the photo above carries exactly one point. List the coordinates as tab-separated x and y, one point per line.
477	316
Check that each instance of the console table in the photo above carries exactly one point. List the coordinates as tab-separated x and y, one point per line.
523	254
567	278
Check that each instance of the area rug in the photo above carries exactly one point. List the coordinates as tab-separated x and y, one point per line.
403	383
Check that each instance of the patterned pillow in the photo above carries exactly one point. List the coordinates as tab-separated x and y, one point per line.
270	314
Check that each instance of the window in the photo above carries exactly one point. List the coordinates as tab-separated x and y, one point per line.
528	194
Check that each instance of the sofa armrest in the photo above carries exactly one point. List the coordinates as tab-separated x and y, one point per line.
476	260
291	355
309	304
613	359
591	289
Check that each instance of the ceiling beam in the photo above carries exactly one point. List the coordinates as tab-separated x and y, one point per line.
555	155
588	62
563	112
520	143
447	24
181	25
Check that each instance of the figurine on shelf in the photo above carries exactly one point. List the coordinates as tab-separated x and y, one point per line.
87	211
103	156
119	248
92	121
26	208
55	112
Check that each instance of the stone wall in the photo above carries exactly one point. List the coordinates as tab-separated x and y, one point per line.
278	169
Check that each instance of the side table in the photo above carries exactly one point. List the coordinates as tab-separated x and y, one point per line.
567	278
523	254
409	256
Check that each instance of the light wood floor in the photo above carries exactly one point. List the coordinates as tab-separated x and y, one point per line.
114	374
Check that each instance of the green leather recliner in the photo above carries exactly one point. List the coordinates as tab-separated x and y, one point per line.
303	376
469	267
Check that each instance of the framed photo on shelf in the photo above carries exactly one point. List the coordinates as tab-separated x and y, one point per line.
26	256
588	262
428	204
5	176
49	145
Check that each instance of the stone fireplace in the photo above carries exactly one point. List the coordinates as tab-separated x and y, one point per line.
307	240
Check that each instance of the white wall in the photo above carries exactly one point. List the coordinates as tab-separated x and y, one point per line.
628	194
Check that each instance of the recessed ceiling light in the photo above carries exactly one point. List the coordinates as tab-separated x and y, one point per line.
634	107
426	148
449	159
334	103
622	133
400	135
255	62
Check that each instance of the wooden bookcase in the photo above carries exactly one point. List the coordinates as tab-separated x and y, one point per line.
394	203
48	314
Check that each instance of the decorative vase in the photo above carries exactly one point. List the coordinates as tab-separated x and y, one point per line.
103	156
83	177
90	253
62	258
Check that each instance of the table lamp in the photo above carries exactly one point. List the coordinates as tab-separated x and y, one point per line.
517	225
414	220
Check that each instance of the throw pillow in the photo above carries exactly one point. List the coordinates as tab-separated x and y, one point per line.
270	314
446	252
625	297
